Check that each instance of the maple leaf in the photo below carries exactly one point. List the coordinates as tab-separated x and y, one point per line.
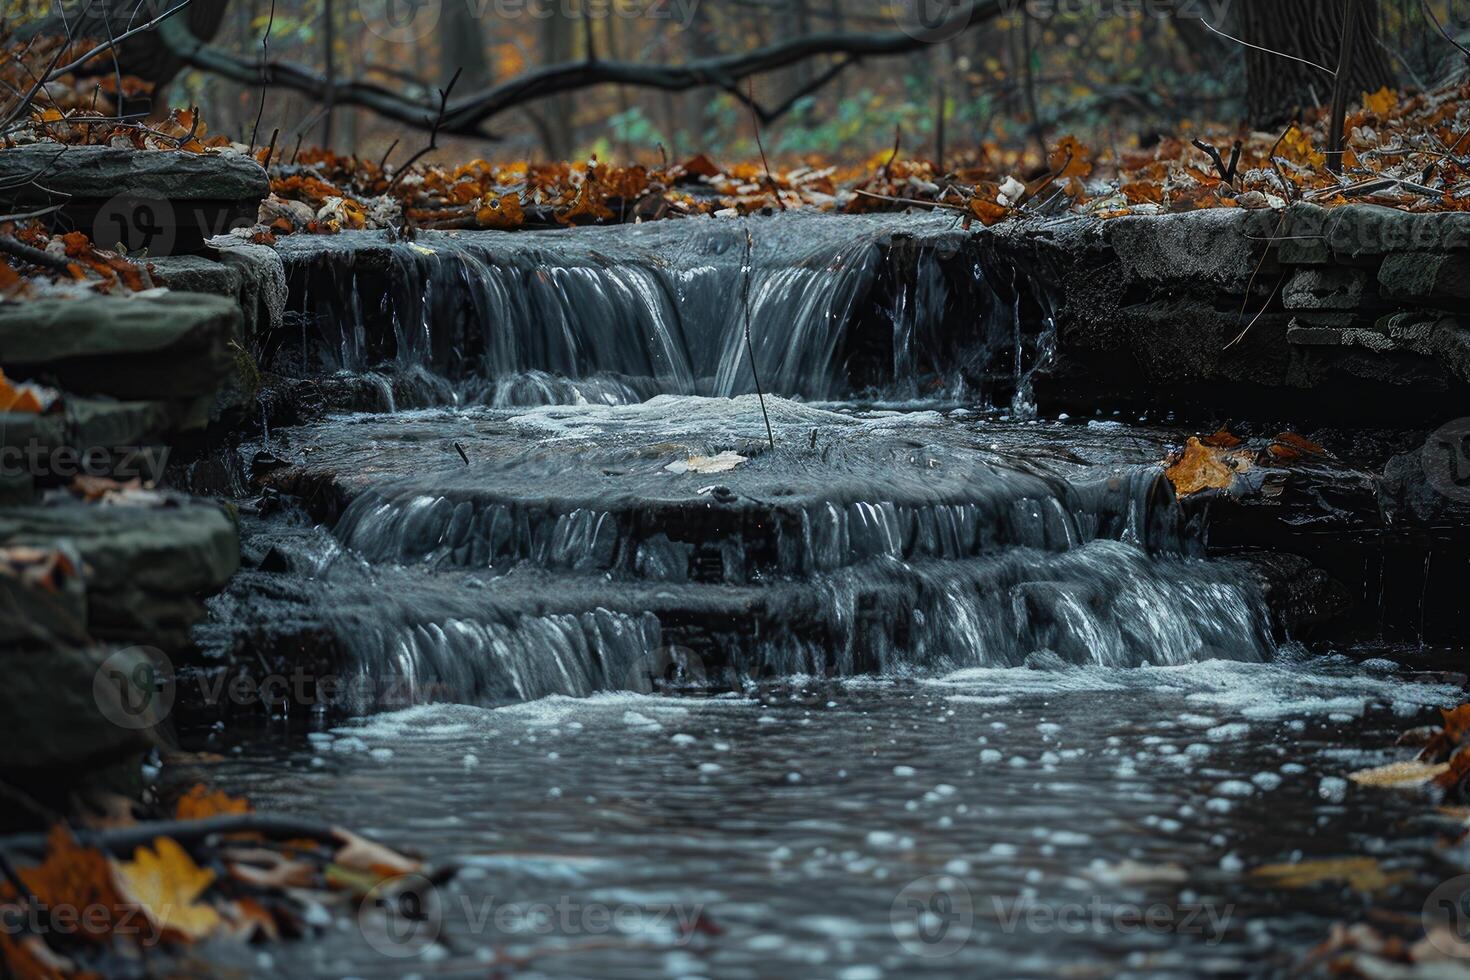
165	884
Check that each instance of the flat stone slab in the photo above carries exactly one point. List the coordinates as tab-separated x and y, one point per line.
144	566
166	202
101	171
172	347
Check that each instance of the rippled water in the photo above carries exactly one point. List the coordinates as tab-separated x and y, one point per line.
1075	822
957	692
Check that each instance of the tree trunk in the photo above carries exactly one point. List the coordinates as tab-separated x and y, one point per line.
557	47
462	47
1277	88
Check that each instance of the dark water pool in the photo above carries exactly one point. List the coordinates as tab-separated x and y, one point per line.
1075	822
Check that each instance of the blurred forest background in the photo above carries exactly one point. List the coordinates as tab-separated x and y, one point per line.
1115	72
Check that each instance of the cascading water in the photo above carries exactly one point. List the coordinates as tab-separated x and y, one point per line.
837	307
936	640
570	547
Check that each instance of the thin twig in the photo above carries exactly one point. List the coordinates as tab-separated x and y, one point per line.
1440	27
1280	54
383	163
755	117
265	57
35	256
433	134
113	43
749	271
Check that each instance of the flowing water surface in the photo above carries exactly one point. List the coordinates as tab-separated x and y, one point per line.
694	686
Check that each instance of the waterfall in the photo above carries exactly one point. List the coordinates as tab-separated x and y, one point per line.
839	306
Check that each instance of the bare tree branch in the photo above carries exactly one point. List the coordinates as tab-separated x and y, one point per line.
470	115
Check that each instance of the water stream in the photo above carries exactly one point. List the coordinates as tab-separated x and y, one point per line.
929	661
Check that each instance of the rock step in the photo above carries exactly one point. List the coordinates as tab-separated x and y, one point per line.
164	201
455	635
144	566
172	348
610	490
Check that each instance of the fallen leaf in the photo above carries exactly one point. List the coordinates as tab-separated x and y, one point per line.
1201	466
199	803
75	877
165	884
360	854
1363	874
1409	773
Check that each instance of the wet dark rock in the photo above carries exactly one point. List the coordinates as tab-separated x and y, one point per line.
1199	312
166	202
59	711
40	617
172	348
145	567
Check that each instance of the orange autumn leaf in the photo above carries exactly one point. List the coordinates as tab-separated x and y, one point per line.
1142	192
1446	739
199	803
701	166
989	212
502	211
13	399
1381	102
1202	467
1222	439
587	206
1289	445
1071	158
75	877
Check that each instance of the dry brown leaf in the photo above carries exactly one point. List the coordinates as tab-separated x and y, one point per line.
1202	467
199	803
989	212
1362	874
360	854
1411	772
501	211
75	877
